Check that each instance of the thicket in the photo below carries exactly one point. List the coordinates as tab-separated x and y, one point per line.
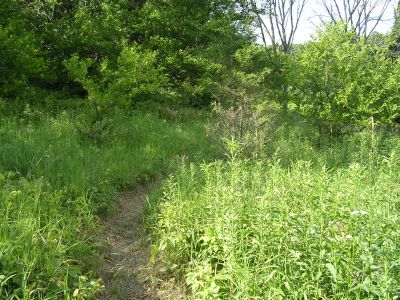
188	37
343	81
120	53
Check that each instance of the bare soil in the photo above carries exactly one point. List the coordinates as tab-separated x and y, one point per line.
126	269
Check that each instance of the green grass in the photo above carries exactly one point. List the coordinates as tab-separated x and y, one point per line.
54	184
314	218
317	219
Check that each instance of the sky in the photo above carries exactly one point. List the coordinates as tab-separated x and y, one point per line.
310	21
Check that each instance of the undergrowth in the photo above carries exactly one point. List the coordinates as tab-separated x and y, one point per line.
54	184
317	218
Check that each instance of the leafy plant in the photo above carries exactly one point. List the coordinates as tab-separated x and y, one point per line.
343	81
256	228
135	74
248	98
22	62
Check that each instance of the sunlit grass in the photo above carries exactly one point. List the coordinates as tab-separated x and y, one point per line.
323	228
54	183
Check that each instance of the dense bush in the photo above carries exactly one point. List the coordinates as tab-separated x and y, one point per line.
21	62
343	81
194	37
135	74
248	97
190	38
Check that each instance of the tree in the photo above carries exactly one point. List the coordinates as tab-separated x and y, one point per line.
135	74
362	16
279	20
22	64
395	34
343	81
192	38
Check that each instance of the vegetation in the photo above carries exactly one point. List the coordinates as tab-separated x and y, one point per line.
306	222
346	81
53	187
283	159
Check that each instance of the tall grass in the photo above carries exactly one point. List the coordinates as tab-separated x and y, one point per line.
53	185
313	221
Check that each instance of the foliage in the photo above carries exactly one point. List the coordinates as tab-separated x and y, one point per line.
291	213
258	72
255	229
395	34
135	74
248	97
193	38
189	36
41	240
53	187
343	81
21	62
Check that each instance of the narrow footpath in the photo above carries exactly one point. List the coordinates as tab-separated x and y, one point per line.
126	270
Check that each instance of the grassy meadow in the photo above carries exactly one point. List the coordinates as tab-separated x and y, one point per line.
310	217
316	218
149	146
54	185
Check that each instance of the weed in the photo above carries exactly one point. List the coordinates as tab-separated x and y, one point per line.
322	228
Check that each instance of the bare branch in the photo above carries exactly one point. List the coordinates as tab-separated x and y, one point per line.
283	20
362	16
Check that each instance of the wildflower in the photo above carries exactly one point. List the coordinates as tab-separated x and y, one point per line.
76	293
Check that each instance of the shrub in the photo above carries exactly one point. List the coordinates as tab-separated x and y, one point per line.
249	96
344	81
134	74
21	63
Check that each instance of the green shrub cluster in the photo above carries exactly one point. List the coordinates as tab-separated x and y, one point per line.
343	81
189	37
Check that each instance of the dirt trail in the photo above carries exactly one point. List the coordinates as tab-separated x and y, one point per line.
125	261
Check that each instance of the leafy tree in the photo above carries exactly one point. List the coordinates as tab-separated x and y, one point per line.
21	61
395	34
135	74
192	37
344	81
249	94
93	29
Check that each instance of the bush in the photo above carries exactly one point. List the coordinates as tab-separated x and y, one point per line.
134	75
249	96
22	64
344	81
